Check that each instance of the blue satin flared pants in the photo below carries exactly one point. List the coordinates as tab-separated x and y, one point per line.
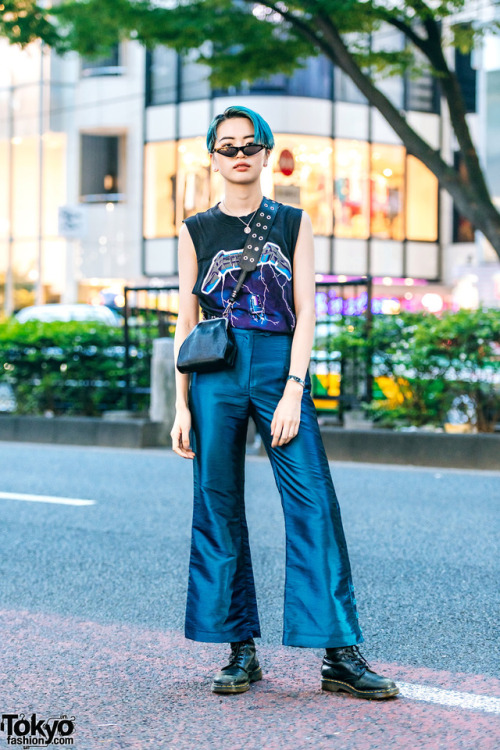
319	602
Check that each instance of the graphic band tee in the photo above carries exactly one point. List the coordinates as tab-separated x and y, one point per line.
265	301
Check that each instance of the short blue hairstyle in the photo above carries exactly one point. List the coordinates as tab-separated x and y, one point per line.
262	131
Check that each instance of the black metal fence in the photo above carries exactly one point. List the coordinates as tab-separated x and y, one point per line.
340	379
150	313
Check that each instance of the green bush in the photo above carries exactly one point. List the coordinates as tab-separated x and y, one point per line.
436	362
68	367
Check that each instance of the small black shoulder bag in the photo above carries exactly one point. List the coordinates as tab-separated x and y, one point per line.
211	345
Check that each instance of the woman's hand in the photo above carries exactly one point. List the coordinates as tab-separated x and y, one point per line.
180	433
286	418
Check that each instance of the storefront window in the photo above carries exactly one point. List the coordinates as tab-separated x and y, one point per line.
421	202
386	185
159	190
4	189
351	205
302	171
25	272
25	195
193	178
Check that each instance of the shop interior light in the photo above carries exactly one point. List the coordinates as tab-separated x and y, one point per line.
409	282
387	281
110	207
387	172
432	302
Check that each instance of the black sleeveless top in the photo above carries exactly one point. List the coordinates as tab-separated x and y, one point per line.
265	301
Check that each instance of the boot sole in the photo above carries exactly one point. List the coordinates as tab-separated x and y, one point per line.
335	686
242	687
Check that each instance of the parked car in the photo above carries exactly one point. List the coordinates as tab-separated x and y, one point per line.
80	311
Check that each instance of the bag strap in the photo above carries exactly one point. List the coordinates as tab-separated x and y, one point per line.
260	228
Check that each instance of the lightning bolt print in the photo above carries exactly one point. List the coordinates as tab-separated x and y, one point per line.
265	298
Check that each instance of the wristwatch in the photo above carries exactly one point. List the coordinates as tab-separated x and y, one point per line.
299	380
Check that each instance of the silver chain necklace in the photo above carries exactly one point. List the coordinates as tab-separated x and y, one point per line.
247	229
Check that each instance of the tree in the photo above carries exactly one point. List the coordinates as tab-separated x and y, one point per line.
242	40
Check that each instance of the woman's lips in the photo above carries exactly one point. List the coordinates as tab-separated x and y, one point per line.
242	166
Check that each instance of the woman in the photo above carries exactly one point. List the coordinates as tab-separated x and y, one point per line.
273	320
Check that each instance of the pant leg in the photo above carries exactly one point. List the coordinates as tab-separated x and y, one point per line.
319	606
221	602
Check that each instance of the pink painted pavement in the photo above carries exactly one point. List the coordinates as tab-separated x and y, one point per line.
133	687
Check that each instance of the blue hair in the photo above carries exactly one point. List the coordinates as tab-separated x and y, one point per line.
262	131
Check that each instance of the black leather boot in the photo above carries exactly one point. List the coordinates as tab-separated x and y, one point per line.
346	669
243	668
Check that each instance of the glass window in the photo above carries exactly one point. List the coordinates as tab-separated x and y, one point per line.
421	202
54	181
388	39
345	89
193	178
159	190
194	79
421	94
4	264
302	172
463	229
101	171
24	272
492	139
25	176
53	269
314	79
161	75
386	187
467	78
351	199
103	66
4	188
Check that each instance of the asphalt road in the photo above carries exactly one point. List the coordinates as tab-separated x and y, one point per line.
92	605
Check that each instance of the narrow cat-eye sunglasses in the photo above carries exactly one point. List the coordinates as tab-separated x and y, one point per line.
249	150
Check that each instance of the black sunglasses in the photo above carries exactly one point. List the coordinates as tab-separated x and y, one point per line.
249	150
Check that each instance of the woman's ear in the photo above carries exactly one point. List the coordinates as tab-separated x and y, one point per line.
215	169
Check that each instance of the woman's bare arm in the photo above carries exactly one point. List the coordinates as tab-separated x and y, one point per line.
188	309
304	290
286	418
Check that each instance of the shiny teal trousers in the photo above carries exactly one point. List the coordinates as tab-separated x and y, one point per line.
319	602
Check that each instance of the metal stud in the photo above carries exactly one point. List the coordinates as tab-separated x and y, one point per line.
261	214
265	205
272	208
249	247
254	235
261	238
258	223
268	217
245	257
251	258
265	226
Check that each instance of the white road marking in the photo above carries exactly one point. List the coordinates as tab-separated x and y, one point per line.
449	697
45	499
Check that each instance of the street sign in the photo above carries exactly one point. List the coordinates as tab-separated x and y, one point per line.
72	222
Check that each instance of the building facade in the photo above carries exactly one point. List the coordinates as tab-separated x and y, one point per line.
120	145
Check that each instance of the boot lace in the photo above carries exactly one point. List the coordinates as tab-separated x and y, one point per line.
237	654
358	656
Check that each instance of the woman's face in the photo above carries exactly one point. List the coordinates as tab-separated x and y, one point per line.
240	169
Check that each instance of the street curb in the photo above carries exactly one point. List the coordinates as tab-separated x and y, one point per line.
480	451
119	433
